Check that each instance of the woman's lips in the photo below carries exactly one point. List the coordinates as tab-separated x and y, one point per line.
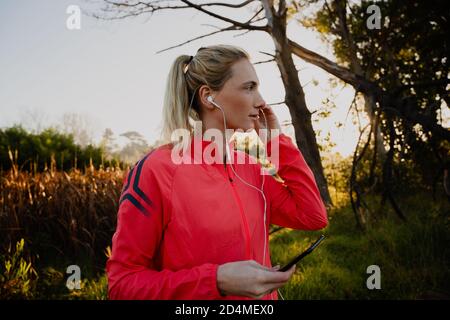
254	117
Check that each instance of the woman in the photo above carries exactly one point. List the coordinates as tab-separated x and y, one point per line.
197	230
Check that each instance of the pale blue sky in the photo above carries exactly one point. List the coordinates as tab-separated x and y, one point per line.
109	70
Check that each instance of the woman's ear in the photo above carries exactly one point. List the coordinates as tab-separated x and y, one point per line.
204	92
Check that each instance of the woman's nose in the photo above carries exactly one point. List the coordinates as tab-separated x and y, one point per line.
260	105
260	101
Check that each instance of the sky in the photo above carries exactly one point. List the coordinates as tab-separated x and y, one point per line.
110	73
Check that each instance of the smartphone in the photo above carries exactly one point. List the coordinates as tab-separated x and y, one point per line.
303	254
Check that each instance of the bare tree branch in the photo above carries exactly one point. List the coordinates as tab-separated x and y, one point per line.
210	25
268	54
152	3
241	34
404	109
231	28
132	9
215	15
278	103
255	15
265	61
269	10
199	37
140	8
282	9
240	5
331	67
143	5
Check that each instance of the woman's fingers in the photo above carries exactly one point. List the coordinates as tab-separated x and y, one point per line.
266	110
277	276
277	267
269	278
267	118
260	266
249	278
271	288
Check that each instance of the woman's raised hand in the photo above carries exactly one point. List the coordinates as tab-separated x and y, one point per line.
272	121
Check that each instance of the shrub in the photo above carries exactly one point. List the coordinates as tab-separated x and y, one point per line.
17	275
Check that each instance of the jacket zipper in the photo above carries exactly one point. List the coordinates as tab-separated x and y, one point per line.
241	209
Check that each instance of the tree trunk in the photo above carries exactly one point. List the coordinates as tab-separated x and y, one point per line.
295	100
369	108
340	9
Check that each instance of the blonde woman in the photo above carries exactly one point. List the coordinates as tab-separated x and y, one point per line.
199	229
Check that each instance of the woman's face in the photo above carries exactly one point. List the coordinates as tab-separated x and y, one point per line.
240	98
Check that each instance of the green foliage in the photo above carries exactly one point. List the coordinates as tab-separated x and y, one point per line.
91	289
19	279
51	283
337	171
413	257
48	149
17	275
407	57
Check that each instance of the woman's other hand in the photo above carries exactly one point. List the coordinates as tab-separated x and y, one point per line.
250	279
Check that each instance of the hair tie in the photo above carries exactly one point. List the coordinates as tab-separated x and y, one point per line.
187	64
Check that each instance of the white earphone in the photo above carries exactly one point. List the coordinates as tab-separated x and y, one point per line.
211	100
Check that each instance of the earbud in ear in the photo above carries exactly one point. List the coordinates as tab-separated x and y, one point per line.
210	99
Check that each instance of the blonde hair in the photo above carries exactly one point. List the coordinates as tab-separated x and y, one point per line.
210	66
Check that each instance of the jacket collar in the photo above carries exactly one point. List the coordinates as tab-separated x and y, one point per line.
207	151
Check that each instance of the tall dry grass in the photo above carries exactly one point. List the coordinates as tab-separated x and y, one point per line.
60	214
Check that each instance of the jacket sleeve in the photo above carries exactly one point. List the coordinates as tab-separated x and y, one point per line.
296	203
131	269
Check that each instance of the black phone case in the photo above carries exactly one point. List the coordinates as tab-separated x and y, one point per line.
303	254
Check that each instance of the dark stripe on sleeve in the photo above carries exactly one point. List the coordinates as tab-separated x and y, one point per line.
136	203
136	181
130	175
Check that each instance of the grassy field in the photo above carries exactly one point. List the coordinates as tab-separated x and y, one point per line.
69	218
414	258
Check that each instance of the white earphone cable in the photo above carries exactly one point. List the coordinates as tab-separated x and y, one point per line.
248	184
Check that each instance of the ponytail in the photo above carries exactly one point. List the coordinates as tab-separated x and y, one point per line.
176	100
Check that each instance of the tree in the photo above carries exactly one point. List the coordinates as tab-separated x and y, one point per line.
47	149
402	70
275	15
108	144
135	148
79	126
33	120
395	103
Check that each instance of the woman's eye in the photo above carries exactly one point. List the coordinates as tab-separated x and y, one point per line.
250	88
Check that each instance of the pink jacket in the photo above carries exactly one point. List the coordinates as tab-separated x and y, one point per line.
178	222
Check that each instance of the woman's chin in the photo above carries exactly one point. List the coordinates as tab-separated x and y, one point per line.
251	125
246	127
